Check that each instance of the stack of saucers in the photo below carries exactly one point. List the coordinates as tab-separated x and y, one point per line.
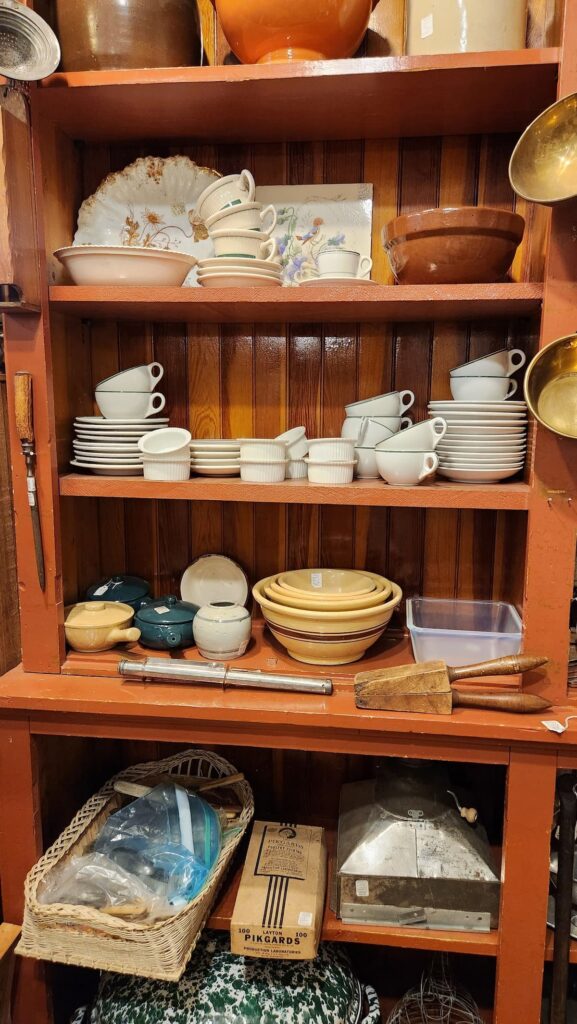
327	616
110	447
218	457
485	441
237	271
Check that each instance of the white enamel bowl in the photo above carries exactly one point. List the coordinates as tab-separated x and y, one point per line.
120	264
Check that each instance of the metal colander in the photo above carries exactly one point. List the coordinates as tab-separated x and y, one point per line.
29	50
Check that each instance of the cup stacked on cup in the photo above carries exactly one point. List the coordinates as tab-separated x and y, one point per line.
108	444
374	420
241	230
408	458
338	266
486	437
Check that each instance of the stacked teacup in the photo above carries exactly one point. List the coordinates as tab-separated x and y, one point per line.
108	444
374	420
486	438
339	266
241	230
409	458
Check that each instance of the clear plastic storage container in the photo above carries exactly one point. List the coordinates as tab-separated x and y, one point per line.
462	632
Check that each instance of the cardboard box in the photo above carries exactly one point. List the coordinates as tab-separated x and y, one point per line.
280	903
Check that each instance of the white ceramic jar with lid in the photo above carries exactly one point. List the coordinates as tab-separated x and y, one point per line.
465	26
222	630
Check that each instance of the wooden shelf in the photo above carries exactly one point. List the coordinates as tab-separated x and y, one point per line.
372	493
372	97
473	943
300	305
549	947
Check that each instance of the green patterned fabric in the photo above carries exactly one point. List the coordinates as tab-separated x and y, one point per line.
219	988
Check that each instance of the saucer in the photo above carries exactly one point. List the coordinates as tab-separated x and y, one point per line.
338	280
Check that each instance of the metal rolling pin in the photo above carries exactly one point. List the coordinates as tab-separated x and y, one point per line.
219	673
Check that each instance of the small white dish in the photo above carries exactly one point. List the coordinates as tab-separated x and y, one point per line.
330	472
331	449
125	460
465	430
234	453
271	472
450	406
109	424
238	280
91	265
222	470
262	449
311	282
110	469
473	475
227	263
212	578
96	446
167	443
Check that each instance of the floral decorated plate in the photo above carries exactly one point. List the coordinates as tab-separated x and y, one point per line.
150	204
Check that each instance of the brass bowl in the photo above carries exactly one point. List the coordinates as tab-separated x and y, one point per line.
551	386
543	167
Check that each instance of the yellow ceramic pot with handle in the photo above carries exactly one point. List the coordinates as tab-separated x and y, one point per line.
100	625
262	31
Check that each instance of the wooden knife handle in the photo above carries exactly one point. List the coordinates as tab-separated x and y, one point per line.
520	703
23	406
511	665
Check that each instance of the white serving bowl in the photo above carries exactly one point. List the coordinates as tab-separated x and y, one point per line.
330	472
482	389
331	449
262	449
123	264
497	364
166	443
254	472
393	404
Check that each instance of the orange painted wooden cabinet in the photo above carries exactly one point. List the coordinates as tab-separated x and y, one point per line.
425	131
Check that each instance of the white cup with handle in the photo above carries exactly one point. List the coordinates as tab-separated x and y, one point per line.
129	405
482	389
365	431
244	244
393	404
137	378
406	469
244	217
422	437
343	263
232	190
497	364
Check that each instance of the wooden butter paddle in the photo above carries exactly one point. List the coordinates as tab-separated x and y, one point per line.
426	687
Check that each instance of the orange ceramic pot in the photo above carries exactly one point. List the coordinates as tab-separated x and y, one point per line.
260	31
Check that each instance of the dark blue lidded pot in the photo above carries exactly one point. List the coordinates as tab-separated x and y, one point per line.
132	590
166	623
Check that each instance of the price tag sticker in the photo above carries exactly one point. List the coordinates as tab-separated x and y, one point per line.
101	590
362	888
162	610
305	919
316	580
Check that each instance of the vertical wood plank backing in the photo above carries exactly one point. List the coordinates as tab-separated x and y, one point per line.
9	618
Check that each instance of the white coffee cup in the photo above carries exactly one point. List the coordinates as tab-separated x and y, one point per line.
138	378
252	244
353	426
365	431
244	217
343	263
482	389
497	364
129	405
423	437
406	469
166	443
394	404
229	191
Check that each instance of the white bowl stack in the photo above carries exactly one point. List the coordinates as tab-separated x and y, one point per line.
485	441
215	457
241	230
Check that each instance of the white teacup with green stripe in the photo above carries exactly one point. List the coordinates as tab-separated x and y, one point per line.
249	244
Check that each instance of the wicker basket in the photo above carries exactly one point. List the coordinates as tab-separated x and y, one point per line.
88	938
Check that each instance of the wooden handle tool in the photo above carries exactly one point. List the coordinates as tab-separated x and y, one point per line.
23	412
426	687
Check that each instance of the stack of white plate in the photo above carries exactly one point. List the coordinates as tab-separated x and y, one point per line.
218	457
110	447
239	271
485	441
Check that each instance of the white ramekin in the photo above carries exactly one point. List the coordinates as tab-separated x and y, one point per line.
166	469
166	443
254	472
296	469
330	472
262	449
297	445
331	449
